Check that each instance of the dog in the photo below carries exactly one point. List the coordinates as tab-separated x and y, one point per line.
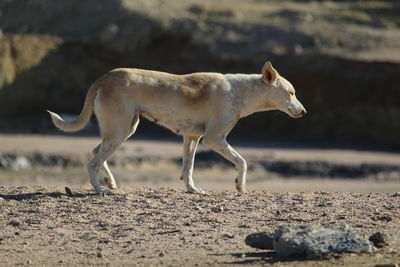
198	105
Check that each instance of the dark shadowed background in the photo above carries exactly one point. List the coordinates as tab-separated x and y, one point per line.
341	56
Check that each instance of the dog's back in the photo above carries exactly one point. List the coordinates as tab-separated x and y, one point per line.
148	86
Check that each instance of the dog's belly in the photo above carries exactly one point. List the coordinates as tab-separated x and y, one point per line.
182	125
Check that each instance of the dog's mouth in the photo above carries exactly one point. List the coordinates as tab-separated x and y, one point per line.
296	115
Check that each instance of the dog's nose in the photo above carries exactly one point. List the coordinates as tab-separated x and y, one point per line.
303	112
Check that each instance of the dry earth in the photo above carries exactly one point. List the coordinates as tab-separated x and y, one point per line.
151	221
43	226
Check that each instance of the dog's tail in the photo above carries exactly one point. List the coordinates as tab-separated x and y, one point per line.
82	119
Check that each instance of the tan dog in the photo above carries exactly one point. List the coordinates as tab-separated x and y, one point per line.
195	105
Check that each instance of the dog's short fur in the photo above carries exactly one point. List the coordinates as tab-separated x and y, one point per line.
195	105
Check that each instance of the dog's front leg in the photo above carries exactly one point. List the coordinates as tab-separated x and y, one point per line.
221	146
189	151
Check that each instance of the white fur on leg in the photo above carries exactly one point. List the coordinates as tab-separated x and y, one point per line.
189	150
221	146
104	151
109	180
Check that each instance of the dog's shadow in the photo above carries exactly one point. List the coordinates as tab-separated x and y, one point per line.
269	257
35	195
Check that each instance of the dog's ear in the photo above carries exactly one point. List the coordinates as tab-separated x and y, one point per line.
269	74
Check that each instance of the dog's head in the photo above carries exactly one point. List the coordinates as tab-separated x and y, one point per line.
282	95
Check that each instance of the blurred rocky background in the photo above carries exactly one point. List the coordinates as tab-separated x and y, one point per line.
342	56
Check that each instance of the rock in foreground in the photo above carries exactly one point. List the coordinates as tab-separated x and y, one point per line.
262	240
310	242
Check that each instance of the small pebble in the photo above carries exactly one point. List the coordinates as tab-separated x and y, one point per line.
379	239
14	223
196	208
217	209
278	212
99	255
228	236
4	209
397	194
68	191
384	217
162	254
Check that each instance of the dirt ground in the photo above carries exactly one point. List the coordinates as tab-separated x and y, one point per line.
151	220
43	226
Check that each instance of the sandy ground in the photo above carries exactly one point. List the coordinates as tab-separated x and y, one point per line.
43	226
151	220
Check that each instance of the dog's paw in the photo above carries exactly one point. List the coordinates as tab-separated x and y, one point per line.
240	187
194	190
106	181
104	192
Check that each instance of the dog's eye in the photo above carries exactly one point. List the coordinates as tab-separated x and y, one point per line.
291	93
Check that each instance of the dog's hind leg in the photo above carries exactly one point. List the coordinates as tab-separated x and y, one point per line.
109	180
189	149
103	152
116	124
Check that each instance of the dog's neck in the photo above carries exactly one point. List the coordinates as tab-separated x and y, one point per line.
251	92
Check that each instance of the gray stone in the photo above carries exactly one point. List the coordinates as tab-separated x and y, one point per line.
261	240
315	242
